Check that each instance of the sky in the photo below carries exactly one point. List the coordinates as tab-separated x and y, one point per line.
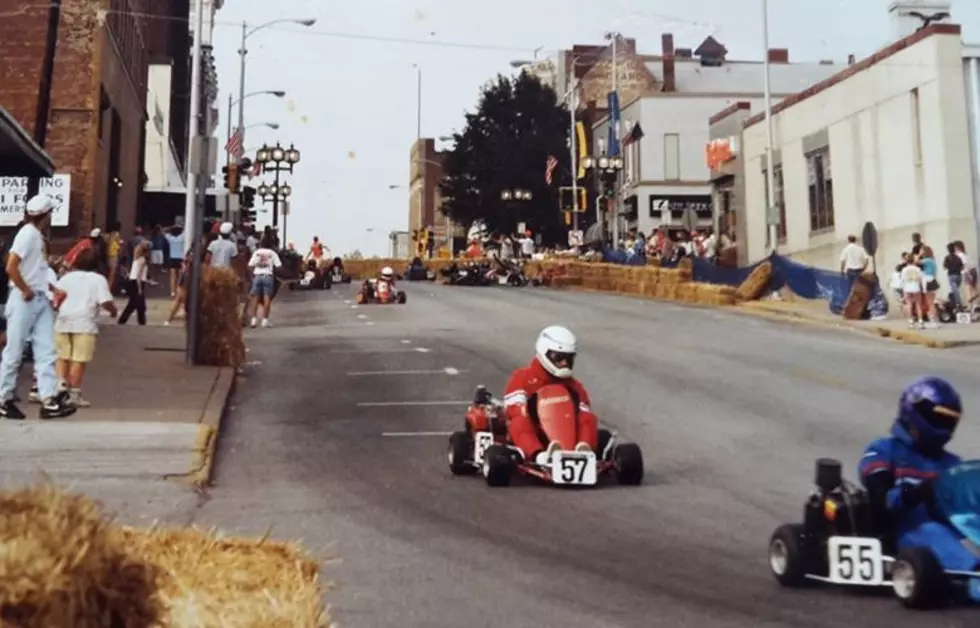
351	81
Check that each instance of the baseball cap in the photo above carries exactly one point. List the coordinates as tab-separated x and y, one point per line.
226	228
95	233
40	204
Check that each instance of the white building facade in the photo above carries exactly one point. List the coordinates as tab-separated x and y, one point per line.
163	172
891	140
666	171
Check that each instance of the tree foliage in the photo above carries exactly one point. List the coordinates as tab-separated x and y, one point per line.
505	145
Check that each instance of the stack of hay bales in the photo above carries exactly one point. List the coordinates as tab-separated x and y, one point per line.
63	564
756	283
221	341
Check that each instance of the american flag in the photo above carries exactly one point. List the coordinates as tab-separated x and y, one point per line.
234	147
549	168
256	169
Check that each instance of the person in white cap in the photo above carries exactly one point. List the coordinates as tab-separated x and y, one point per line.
224	248
30	317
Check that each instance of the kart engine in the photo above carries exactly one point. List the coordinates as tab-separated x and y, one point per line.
836	508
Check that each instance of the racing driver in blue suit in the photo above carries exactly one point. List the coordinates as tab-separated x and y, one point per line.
898	473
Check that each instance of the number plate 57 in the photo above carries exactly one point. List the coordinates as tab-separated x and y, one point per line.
569	467
856	561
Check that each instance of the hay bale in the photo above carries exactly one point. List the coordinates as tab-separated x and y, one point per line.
686	292
756	283
60	566
686	264
221	342
206	580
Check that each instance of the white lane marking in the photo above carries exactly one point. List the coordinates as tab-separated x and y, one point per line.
393	404
353	307
347	301
406	342
409	434
351	351
421	349
448	370
362	316
369	323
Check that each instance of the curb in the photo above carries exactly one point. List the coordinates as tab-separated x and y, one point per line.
209	429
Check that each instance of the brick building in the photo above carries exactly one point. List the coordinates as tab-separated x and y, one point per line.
91	57
425	198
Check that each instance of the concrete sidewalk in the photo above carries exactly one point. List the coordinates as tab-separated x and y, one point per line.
151	431
816	312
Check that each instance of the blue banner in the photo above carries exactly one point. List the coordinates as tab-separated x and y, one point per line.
614	124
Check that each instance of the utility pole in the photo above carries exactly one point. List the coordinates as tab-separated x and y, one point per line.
772	212
573	143
192	234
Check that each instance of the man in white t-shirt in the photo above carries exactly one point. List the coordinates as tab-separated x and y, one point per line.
853	259
263	265
30	317
225	248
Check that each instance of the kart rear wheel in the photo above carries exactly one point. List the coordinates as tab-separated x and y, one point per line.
498	466
459	454
402	297
629	464
787	555
918	580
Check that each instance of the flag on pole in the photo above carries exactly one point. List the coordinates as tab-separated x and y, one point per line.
256	169
635	134
549	168
235	147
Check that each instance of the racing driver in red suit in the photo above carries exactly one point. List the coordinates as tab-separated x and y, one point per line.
552	364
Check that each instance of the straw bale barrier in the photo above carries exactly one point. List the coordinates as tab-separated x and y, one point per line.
221	341
756	283
650	281
64	564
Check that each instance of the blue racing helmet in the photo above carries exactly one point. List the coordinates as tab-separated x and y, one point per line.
929	411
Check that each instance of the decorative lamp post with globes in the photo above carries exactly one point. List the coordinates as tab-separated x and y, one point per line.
513	197
276	159
606	171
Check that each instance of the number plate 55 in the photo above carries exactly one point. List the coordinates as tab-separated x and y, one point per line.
573	467
856	561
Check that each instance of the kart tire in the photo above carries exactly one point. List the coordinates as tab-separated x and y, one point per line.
518	281
346	279
945	316
629	464
498	466
918	580
459	453
402	297
787	555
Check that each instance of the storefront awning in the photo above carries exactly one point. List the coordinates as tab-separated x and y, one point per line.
20	156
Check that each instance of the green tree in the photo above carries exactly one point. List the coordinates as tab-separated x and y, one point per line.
505	144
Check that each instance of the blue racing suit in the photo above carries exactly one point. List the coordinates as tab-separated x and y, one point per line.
895	465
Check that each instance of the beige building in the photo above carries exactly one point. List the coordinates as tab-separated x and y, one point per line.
887	141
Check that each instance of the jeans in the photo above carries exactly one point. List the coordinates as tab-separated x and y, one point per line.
136	303
29	322
955	284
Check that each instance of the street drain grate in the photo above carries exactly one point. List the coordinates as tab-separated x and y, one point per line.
170	349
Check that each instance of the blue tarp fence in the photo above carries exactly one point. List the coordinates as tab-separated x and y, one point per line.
804	281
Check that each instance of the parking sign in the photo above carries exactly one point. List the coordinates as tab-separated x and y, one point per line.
13	198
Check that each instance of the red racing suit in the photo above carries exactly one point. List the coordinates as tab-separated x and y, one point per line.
527	381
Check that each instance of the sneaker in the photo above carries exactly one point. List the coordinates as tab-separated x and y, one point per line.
9	410
77	399
34	396
266	323
254	322
582	447
58	407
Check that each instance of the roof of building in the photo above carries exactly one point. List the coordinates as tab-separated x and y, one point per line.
860	66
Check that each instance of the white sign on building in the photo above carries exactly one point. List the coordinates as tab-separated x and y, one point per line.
13	198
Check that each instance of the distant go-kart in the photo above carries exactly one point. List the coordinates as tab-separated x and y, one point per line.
374	291
336	272
485	447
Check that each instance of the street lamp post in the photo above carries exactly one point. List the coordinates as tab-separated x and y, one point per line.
243	51
772	213
277	159
514	196
278	93
606	169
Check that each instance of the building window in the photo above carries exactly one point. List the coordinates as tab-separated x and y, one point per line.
916	127
821	190
672	157
777	184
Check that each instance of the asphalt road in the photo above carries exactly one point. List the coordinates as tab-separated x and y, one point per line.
326	442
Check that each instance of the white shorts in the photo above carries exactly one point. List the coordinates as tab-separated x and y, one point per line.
156	257
911	288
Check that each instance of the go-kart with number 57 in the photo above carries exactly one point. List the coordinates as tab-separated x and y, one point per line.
544	428
913	527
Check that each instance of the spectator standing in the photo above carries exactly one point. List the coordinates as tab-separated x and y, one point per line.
223	249
113	240
264	263
160	251
853	259
953	265
136	285
930	271
76	327
913	285
175	255
969	271
30	317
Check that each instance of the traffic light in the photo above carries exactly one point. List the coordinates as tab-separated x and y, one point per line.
248	197
231	177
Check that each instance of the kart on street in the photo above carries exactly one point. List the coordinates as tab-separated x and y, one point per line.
314	278
840	543
336	272
484	446
374	291
416	271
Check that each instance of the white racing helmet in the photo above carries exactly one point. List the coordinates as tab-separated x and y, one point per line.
387	272
555	350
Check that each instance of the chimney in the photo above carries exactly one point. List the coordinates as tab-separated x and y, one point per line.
667	50
683	53
778	55
851	59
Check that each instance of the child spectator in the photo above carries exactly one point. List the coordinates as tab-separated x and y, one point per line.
76	328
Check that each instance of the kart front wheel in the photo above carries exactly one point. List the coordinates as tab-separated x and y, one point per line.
786	555
629	464
459	454
498	466
402	297
918	579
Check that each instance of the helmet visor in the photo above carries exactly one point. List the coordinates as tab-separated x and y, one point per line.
937	416
561	360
